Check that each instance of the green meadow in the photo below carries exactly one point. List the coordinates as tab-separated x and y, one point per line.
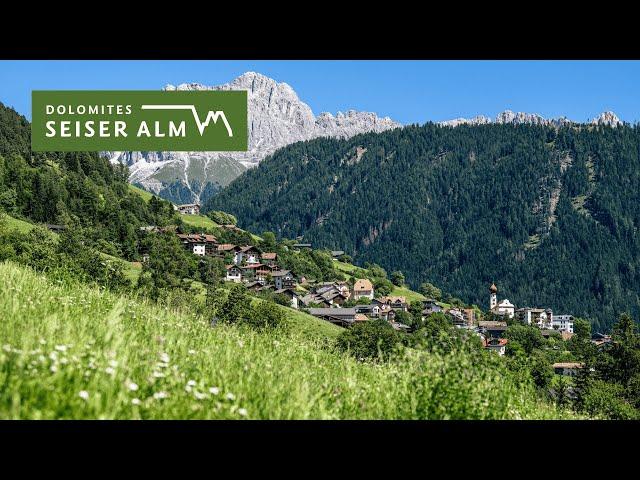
71	351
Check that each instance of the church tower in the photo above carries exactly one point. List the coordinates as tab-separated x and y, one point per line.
493	297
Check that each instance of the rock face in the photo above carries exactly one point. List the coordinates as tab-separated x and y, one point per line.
521	118
607	118
277	117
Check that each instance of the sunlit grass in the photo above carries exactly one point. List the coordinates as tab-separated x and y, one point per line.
70	351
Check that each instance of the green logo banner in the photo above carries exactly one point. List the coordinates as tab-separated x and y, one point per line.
89	120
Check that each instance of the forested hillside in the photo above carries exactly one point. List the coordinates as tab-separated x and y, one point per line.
550	215
78	190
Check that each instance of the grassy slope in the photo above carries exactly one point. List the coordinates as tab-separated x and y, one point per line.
146	196
352	270
62	340
198	221
132	269
16	224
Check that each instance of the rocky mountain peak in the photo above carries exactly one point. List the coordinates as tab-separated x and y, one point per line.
521	118
607	118
277	117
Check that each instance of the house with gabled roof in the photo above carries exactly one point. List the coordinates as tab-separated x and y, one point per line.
293	296
198	243
188	209
234	274
270	258
395	302
283	279
247	254
338	316
498	345
363	288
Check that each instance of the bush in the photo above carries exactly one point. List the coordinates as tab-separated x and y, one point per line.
222	218
605	400
265	315
375	339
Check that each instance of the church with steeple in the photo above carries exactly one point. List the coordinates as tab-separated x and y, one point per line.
504	307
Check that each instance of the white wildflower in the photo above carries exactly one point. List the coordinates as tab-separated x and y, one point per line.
199	395
43	341
242	412
160	395
214	390
192	352
61	348
132	386
64	360
53	356
84	395
135	401
158	374
53	368
113	363
6	348
110	371
231	396
191	383
164	358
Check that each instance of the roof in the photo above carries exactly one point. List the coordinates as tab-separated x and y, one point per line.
269	255
360	317
492	325
568	365
400	326
496	342
252	266
283	290
281	273
246	248
186	205
392	299
505	303
337	253
226	247
362	284
333	312
493	288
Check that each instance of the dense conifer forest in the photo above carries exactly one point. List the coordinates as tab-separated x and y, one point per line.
75	189
550	215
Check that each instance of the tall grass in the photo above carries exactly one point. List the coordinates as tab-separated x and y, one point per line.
69	351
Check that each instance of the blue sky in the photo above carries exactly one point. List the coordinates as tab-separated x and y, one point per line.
407	91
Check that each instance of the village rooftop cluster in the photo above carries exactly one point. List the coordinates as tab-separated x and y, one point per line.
260	272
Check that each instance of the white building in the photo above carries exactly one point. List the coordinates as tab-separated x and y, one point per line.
188	209
199	248
234	274
505	307
498	345
563	323
539	317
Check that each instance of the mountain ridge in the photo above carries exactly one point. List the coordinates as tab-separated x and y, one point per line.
462	207
277	117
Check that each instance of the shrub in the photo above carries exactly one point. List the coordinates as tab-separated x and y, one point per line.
265	315
375	339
